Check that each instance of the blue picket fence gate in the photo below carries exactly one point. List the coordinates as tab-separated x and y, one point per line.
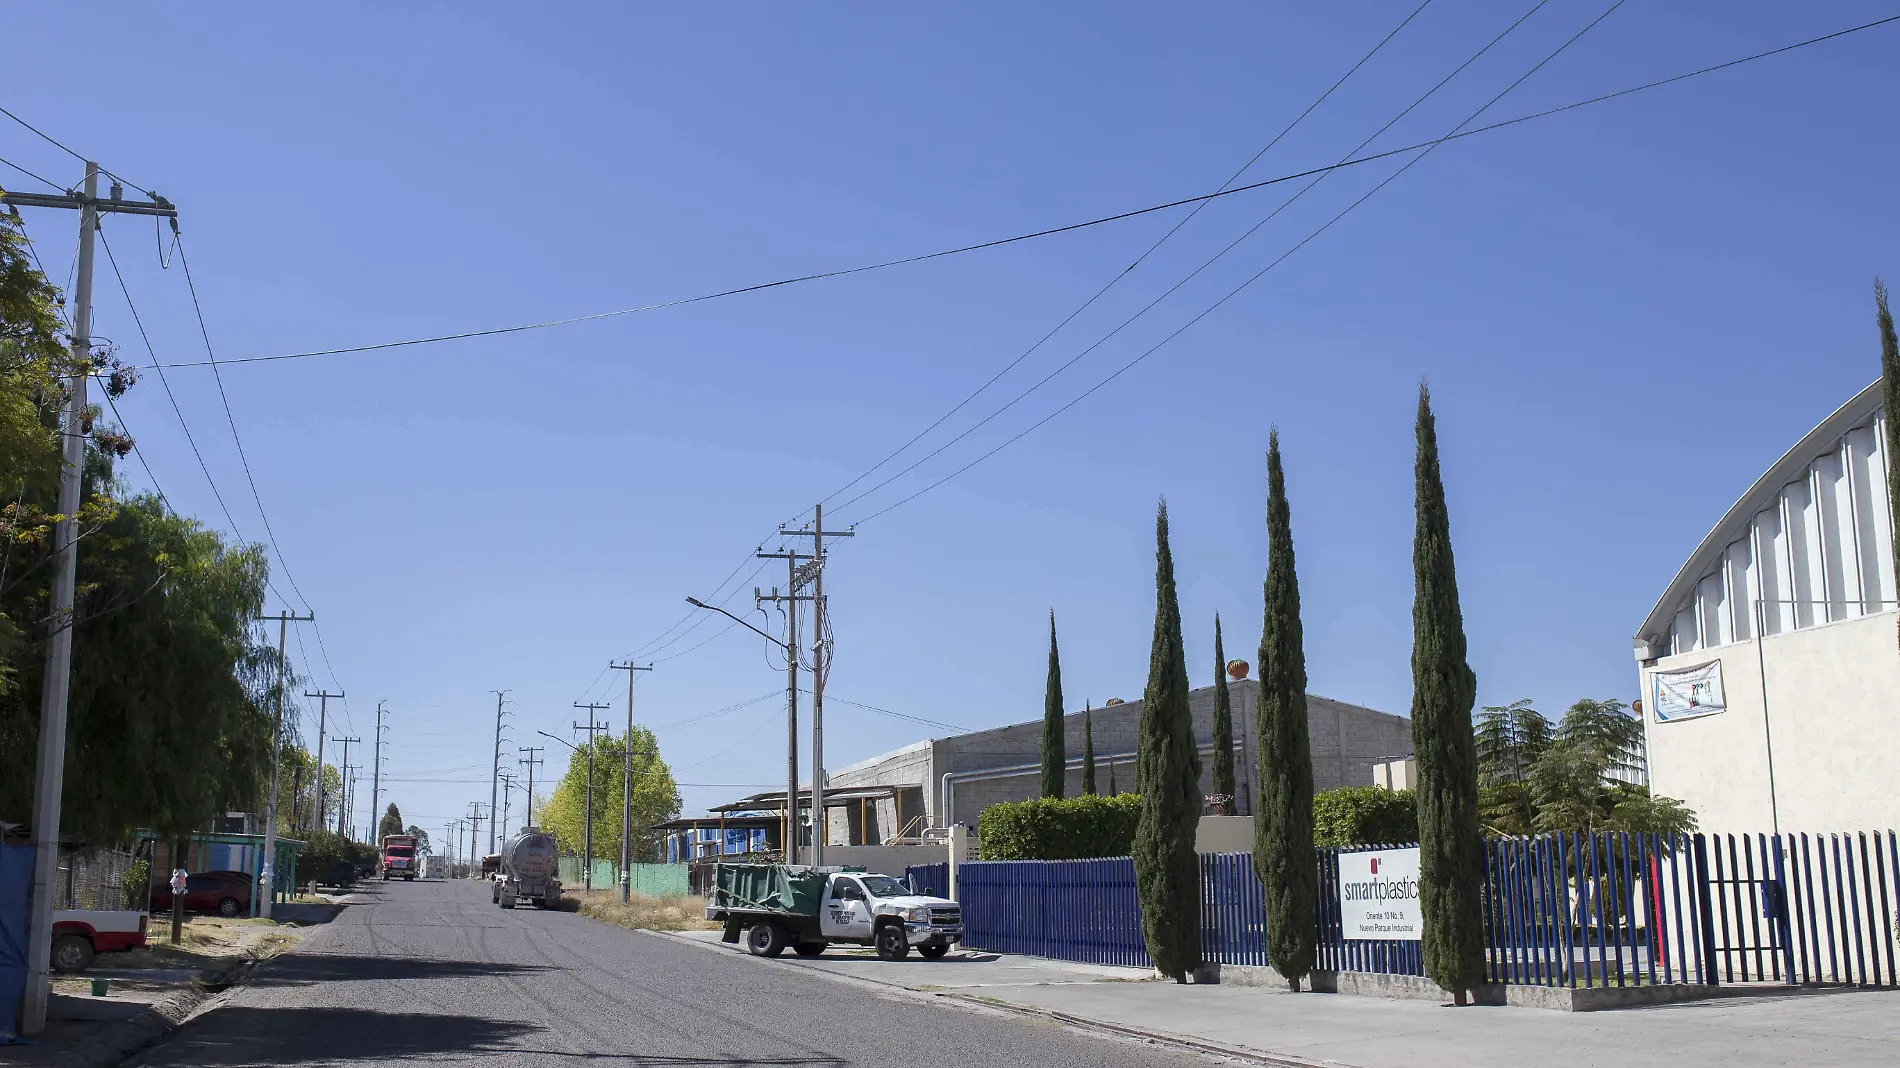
1606	909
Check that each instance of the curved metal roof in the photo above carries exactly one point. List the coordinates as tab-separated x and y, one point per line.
1652	639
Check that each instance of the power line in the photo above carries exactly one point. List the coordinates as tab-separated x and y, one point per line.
31	175
1117	373
1126	271
1063	229
900	715
1195	273
48	138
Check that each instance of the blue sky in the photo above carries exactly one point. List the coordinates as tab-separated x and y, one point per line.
1625	312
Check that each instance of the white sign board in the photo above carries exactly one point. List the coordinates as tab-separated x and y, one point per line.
1689	693
1378	895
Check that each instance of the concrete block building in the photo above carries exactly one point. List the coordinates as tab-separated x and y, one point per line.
942	781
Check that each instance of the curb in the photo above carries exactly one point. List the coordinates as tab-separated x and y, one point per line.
1070	1020
115	1043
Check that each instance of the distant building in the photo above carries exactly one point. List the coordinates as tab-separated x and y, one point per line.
1770	674
951	780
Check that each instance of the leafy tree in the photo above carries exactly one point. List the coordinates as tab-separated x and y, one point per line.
1451	843
1510	738
422	839
1054	748
167	720
1088	752
1890	401
391	823
1168	766
656	797
1283	853
1223	722
1606	731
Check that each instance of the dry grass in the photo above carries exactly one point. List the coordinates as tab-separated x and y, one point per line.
643	913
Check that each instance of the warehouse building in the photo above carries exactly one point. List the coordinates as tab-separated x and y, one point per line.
1769	667
961	775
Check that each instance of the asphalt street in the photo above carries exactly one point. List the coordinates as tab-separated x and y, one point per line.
432	972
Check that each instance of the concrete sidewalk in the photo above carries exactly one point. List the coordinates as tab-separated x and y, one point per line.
1816	1030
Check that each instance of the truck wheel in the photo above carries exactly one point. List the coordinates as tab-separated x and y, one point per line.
495	894
891	943
72	953
765	939
934	950
811	949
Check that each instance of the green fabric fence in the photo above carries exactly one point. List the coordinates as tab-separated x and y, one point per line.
653	880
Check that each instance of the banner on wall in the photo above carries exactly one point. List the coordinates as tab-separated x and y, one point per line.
1689	692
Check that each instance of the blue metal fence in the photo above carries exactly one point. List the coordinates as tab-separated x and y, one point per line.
1609	909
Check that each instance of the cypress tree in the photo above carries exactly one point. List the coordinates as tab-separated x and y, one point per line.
1283	853
1088	751
1451	844
1223	721
1890	401
1054	752
1113	790
1168	767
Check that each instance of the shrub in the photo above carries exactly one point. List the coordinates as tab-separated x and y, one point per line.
132	883
1059	828
1364	815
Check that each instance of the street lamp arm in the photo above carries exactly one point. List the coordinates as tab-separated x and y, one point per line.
697	603
563	741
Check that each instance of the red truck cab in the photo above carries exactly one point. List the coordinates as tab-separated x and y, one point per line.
399	856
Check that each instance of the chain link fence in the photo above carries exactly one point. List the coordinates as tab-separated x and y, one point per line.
102	879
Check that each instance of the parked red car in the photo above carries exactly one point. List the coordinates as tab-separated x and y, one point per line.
227	893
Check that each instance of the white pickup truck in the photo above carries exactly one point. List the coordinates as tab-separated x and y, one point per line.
808	909
80	934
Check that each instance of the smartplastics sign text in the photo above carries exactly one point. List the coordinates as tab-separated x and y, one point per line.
1378	894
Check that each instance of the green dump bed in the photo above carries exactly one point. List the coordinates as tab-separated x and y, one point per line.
767	888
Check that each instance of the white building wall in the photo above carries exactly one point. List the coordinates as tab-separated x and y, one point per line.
1833	714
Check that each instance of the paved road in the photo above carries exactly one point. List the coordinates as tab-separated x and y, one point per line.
432	972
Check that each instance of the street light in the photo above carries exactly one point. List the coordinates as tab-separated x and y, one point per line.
790	833
697	603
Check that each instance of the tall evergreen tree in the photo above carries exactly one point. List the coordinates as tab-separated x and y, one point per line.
1088	751
1223	721
1113	790
1890	401
1054	747
1168	767
1283	853
1451	843
391	822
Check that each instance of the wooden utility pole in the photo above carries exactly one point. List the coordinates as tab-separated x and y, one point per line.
266	890
790	648
534	757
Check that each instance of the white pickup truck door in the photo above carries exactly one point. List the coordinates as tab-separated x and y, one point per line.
846	912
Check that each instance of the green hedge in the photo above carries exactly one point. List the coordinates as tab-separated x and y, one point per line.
1364	815
1059	828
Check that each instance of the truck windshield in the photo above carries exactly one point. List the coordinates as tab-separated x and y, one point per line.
883	886
401	851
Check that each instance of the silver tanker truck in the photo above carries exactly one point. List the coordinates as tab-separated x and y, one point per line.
530	870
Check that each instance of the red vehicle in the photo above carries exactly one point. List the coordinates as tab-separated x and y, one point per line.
227	893
399	856
79	934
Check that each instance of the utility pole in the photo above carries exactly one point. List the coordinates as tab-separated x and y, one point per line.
494	777
376	778
455	843
626	787
474	835
533	759
349	805
587	863
323	719
791	598
820	665
267	866
50	770
507	804
342	771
